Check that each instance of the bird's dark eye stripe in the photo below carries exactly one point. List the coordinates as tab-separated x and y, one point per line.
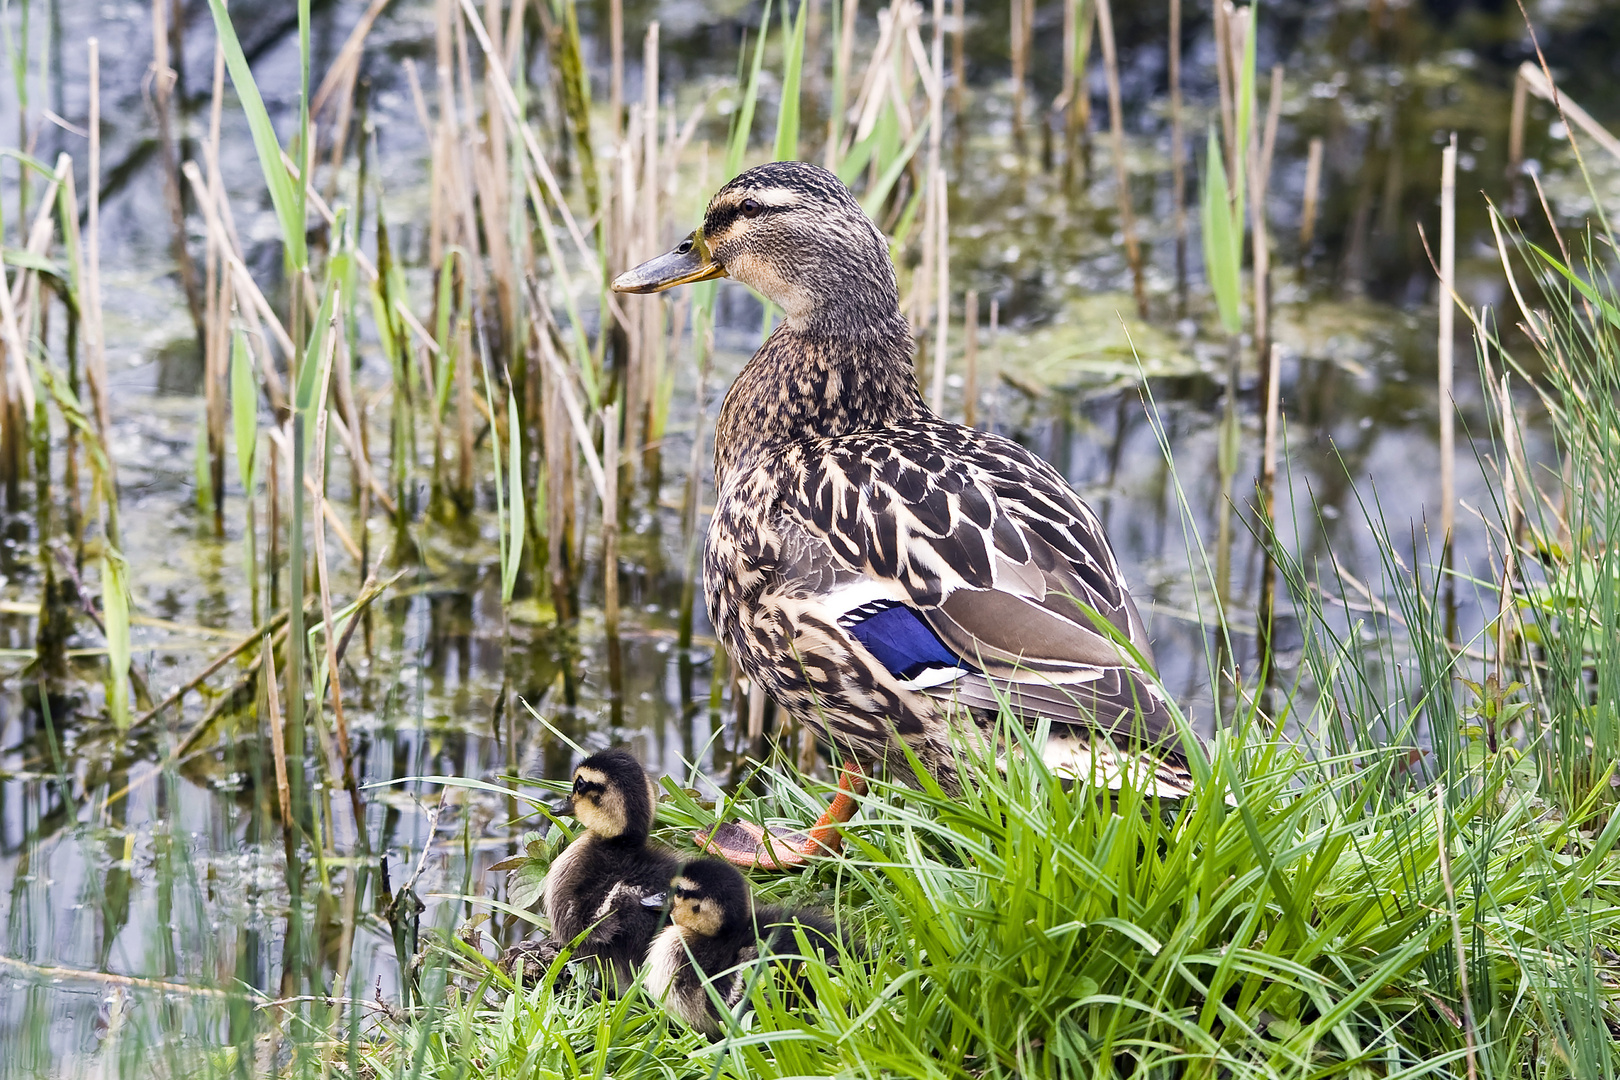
586	787
724	217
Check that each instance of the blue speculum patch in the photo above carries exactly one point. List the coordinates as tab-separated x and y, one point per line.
903	643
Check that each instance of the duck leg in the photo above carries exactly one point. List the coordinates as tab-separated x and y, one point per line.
744	844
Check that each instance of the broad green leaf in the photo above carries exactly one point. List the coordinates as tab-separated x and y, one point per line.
525	884
284	190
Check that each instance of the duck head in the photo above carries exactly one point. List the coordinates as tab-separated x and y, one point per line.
612	796
709	897
794	233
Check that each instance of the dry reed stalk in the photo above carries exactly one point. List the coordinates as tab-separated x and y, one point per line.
465	412
934	84
1268	500
1536	81
1226	77
1313	185
96	352
836	115
970	358
1018	18
610	518
1521	92
563	384
339	81
282	441
958	65
559	478
995	360
1515	475
942	289
24	290
517	126
1116	123
1448	283
465	155
875	85
652	310
1259	175
163	80
344	764
278	734
626	243
1068	89
616	66
250	301
935	255
1178	157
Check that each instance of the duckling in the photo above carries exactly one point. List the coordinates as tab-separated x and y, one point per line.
715	936
886	575
609	884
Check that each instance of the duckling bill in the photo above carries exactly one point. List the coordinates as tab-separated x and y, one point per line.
605	892
705	959
887	576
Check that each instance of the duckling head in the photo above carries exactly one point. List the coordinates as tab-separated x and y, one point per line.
709	897
612	796
794	233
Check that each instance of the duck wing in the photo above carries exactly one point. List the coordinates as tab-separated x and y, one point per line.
969	569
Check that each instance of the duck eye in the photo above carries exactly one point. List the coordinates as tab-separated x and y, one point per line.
751	208
686	245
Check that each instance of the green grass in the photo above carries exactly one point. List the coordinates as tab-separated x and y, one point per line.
1027	929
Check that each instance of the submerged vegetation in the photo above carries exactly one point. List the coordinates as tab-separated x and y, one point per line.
1399	859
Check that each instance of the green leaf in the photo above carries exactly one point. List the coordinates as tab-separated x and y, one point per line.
526	884
203	475
515	514
737	145
1221	240
872	201
284	190
115	611
787	117
244	411
1609	311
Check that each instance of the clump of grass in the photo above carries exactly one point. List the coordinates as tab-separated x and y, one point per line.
1295	916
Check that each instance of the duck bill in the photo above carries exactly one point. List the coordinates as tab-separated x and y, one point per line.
678	267
562	807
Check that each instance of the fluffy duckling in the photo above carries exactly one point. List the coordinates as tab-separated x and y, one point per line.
609	884
716	935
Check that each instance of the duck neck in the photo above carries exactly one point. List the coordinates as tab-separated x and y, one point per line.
817	378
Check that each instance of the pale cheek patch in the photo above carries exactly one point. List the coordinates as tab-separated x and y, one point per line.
761	275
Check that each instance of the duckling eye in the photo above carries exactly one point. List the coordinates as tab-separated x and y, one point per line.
750	208
686	245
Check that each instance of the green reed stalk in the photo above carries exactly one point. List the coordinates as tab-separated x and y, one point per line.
245	427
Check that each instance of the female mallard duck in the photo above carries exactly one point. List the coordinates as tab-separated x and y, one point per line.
884	573
715	936
605	892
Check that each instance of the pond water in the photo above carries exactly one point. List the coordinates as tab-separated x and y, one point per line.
134	856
